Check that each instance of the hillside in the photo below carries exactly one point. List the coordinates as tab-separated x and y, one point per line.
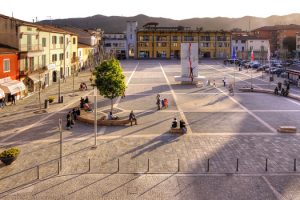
118	24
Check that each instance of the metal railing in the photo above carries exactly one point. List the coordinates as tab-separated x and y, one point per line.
209	166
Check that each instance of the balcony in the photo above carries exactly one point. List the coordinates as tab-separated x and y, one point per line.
31	50
33	69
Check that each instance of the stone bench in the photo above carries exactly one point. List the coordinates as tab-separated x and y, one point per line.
287	129
256	90
176	130
115	122
88	117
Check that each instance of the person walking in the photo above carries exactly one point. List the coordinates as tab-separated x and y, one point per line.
123	94
13	99
214	83
74	114
69	119
132	118
2	103
64	78
158	101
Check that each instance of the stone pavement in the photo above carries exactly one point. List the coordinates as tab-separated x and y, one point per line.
222	128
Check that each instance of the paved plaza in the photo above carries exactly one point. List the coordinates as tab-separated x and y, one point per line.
146	161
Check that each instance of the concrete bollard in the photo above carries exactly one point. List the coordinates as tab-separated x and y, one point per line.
208	165
118	165
38	172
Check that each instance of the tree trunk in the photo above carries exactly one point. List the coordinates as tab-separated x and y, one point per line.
112	105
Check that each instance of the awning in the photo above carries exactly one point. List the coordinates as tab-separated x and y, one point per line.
12	87
34	78
2	94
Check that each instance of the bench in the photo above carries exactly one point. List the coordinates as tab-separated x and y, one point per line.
88	118
115	122
287	129
176	130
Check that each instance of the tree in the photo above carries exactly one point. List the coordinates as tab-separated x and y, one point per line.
289	43
110	80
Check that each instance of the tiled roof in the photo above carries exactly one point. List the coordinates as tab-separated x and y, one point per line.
7	49
247	37
41	27
278	27
80	45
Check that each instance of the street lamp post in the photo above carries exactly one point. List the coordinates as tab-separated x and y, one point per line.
40	84
95	122
59	92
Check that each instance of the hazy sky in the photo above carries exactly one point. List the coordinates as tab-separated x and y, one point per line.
175	9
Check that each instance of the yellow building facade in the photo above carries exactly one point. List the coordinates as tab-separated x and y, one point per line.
165	42
85	54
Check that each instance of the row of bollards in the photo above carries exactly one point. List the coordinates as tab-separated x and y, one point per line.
178	166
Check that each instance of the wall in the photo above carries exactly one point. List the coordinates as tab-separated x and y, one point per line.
9	32
14	66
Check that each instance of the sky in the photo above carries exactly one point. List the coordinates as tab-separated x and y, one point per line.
56	9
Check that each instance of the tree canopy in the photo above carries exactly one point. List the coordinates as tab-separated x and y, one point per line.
110	80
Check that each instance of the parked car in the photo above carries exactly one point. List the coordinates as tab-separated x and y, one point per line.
262	68
231	61
243	63
254	64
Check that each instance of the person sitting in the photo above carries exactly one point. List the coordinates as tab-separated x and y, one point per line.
111	116
86	107
132	118
86	100
174	123
84	86
182	126
77	111
276	91
166	103
81	102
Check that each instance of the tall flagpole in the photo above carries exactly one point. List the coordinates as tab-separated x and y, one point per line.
269	59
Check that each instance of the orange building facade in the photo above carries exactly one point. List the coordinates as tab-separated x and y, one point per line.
9	64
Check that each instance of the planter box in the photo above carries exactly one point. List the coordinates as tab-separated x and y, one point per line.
8	160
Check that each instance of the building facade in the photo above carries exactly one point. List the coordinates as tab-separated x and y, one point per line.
85	55
244	45
91	38
276	35
45	52
9	74
131	38
298	44
115	45
165	42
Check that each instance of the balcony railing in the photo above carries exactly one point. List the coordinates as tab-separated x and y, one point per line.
35	47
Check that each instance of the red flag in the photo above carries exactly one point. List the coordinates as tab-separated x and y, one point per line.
252	56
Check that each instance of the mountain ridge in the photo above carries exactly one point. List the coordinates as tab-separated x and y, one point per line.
113	24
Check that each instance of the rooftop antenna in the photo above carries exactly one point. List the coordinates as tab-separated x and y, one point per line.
50	19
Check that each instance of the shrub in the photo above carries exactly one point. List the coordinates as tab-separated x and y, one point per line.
51	99
12	152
